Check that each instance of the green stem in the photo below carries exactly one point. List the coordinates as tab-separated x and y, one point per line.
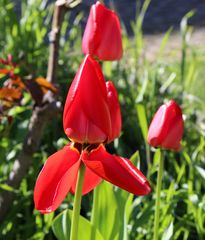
77	204
157	203
148	158
94	213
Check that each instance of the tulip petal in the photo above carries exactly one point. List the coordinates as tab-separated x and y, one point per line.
91	180
166	128
114	108
175	124
56	179
86	114
102	37
117	170
155	133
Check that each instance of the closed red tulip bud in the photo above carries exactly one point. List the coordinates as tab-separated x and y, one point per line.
102	37
92	111
166	128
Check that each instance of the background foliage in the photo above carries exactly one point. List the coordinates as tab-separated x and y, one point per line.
142	85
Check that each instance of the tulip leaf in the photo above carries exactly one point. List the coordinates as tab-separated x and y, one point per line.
127	212
201	171
121	197
167	235
62	224
135	159
124	201
107	216
141	113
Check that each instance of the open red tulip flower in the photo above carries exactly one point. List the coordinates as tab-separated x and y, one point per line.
102	37
167	126
91	119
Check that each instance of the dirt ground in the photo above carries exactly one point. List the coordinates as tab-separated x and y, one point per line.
153	41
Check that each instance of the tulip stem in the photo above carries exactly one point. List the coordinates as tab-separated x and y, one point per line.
77	204
157	202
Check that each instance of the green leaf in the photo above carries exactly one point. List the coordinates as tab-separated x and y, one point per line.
8	188
123	211
135	159
183	24
143	217
62	224
127	212
167	235
145	81
168	82
181	173
107	211
170	191
201	171
142	120
164	42
137	28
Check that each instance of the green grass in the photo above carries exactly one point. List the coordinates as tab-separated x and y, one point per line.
142	86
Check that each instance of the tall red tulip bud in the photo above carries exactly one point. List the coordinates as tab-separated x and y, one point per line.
92	111
166	128
102	37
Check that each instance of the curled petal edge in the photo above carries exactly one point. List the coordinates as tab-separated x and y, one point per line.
116	170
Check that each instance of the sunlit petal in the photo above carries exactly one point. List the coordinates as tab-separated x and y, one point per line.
117	170
86	114
56	179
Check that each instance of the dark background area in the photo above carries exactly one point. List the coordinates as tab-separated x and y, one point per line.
161	14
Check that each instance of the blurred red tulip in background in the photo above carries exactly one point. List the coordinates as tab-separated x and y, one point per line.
102	37
167	126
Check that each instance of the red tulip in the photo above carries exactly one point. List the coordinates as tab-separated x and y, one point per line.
92	111
91	119
166	128
102	36
59	175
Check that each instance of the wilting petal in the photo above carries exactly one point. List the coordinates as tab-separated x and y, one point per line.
166	128
56	179
117	170
91	180
86	114
114	108
102	36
